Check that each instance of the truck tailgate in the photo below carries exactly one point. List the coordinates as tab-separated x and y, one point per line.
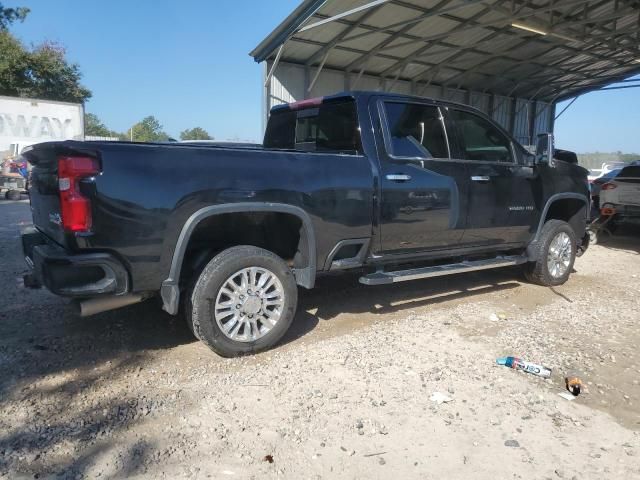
44	189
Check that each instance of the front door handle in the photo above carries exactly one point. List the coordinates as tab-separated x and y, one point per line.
480	178
398	177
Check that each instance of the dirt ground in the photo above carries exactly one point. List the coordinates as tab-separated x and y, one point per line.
348	394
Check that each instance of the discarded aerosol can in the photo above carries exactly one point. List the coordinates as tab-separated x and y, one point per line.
519	364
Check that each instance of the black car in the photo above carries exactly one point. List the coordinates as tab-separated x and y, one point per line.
398	187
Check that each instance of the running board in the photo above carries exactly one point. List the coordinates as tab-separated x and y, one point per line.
383	278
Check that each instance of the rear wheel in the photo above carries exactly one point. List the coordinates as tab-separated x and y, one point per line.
243	301
555	252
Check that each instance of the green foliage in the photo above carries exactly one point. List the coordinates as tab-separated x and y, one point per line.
195	133
596	159
10	15
93	126
148	129
41	72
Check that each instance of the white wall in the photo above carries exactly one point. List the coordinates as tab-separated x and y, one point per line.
25	121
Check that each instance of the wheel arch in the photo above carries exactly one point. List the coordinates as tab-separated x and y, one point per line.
561	199
305	276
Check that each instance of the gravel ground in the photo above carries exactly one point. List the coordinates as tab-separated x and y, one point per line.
348	394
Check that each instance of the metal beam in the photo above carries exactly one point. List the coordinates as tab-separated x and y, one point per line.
390	39
320	53
602	57
565	108
493	23
540	39
344	14
315	77
274	66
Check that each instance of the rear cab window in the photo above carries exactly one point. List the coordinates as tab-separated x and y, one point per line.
330	127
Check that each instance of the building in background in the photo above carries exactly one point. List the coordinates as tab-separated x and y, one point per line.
25	121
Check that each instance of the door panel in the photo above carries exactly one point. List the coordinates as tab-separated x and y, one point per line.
501	192
423	199
501	204
424	212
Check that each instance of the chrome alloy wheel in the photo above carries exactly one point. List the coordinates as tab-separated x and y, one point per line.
249	304
559	256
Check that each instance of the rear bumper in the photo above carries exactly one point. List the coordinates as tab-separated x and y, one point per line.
72	275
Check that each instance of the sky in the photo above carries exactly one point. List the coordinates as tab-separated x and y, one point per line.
188	64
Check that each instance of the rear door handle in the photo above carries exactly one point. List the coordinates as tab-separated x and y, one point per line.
480	178
398	177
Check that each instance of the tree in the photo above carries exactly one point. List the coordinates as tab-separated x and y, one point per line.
93	126
148	129
10	15
195	133
42	72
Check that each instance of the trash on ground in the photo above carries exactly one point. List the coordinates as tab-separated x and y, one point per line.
519	364
268	458
494	317
567	396
574	385
440	398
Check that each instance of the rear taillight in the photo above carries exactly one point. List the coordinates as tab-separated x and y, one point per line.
75	208
609	186
607	211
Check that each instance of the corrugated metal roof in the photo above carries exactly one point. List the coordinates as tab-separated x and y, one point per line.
560	48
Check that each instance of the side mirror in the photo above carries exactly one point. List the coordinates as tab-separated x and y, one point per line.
544	149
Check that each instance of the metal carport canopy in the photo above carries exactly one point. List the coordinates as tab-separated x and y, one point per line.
538	50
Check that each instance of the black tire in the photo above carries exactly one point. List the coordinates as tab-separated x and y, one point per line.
13	195
200	305
538	271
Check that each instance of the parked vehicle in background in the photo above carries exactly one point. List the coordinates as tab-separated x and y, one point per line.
596	185
620	197
606	167
398	187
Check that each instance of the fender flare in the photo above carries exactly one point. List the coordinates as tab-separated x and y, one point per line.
170	289
555	198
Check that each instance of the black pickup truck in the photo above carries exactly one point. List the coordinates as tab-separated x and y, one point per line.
398	187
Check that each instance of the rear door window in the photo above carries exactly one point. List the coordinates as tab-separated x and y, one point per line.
480	139
281	130
415	131
331	127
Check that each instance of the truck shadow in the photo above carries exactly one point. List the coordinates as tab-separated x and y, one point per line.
343	294
625	238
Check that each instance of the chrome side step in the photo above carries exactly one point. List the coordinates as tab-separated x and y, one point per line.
383	278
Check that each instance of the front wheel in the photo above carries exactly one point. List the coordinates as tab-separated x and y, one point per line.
243	302
555	253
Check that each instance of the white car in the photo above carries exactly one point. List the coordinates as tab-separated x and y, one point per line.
621	195
606	168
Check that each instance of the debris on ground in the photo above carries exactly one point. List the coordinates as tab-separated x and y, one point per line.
519	364
440	398
573	384
567	396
